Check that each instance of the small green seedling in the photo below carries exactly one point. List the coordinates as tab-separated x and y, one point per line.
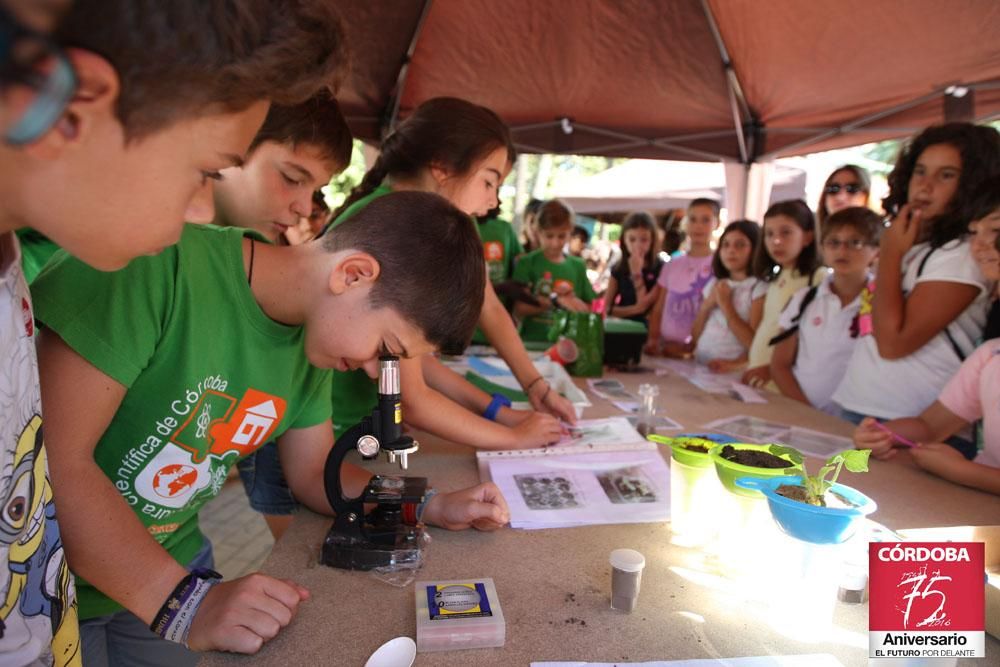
816	486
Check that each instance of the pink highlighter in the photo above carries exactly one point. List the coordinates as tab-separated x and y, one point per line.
895	436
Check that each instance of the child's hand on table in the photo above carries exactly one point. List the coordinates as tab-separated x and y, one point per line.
652	347
869	436
242	614
942	460
537	430
757	376
549	401
482	506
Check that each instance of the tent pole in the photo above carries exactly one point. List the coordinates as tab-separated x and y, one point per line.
389	122
737	100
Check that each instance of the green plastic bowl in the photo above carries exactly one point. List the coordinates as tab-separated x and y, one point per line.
687	456
729	471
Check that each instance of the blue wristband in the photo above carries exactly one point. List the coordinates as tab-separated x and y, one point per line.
499	401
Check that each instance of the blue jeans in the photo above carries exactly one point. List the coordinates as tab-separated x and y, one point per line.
121	639
264	482
964	447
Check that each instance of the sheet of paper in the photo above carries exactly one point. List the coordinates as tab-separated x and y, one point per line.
610	389
750	429
584	489
814	660
601	432
627	406
746	394
820	445
660	423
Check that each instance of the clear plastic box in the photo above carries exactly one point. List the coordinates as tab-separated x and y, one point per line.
458	614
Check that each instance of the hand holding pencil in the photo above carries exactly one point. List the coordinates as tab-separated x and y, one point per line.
873	435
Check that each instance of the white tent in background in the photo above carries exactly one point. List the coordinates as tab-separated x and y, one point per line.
659	185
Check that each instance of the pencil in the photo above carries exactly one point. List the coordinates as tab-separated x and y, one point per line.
895	436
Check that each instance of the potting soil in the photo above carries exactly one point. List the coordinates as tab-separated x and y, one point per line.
831	499
753	458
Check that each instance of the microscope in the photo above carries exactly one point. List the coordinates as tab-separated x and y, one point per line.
388	535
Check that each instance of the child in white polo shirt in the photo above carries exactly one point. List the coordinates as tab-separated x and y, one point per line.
820	325
972	394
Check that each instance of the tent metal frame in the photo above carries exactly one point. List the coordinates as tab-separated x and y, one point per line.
748	130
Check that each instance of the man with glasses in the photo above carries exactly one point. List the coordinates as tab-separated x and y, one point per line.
112	131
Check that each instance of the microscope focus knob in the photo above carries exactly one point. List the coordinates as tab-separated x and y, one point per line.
368	446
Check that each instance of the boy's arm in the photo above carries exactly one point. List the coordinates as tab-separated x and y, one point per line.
106	543
781	368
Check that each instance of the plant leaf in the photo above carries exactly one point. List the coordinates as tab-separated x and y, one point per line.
782	450
856	460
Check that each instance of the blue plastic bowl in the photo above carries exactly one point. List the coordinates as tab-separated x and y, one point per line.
809	523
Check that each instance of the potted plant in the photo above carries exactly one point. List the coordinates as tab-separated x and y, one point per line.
740	459
815	508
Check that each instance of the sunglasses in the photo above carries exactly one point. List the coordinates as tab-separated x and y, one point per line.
23	53
850	188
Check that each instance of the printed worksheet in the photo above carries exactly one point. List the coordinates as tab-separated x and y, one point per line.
610	389
600	432
584	489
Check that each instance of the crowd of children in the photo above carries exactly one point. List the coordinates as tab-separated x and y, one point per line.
167	352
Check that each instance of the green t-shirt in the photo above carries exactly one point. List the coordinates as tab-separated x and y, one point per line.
36	249
210	377
546	277
354	393
500	247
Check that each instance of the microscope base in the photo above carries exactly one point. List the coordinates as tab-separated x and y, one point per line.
352	552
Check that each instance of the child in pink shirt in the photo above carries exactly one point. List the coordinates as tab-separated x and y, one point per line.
972	394
683	281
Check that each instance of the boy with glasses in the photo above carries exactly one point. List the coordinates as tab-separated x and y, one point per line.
111	134
821	324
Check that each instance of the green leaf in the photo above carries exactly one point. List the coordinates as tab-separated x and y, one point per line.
856	460
790	453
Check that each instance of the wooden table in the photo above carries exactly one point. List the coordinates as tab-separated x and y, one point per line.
554	585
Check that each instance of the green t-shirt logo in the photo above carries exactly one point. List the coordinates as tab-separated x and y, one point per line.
214	427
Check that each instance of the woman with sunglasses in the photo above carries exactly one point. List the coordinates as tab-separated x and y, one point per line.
847	186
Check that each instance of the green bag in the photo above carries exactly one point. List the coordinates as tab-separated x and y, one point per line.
587	331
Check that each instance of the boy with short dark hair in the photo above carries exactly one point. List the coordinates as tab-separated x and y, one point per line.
202	354
107	146
556	279
578	240
821	324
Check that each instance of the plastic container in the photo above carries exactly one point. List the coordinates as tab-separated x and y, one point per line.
729	471
458	614
810	523
647	409
626	577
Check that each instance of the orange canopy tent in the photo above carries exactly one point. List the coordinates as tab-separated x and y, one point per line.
734	80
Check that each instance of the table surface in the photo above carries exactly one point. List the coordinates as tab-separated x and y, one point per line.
554	585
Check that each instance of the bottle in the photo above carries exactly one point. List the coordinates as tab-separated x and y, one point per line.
647	409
